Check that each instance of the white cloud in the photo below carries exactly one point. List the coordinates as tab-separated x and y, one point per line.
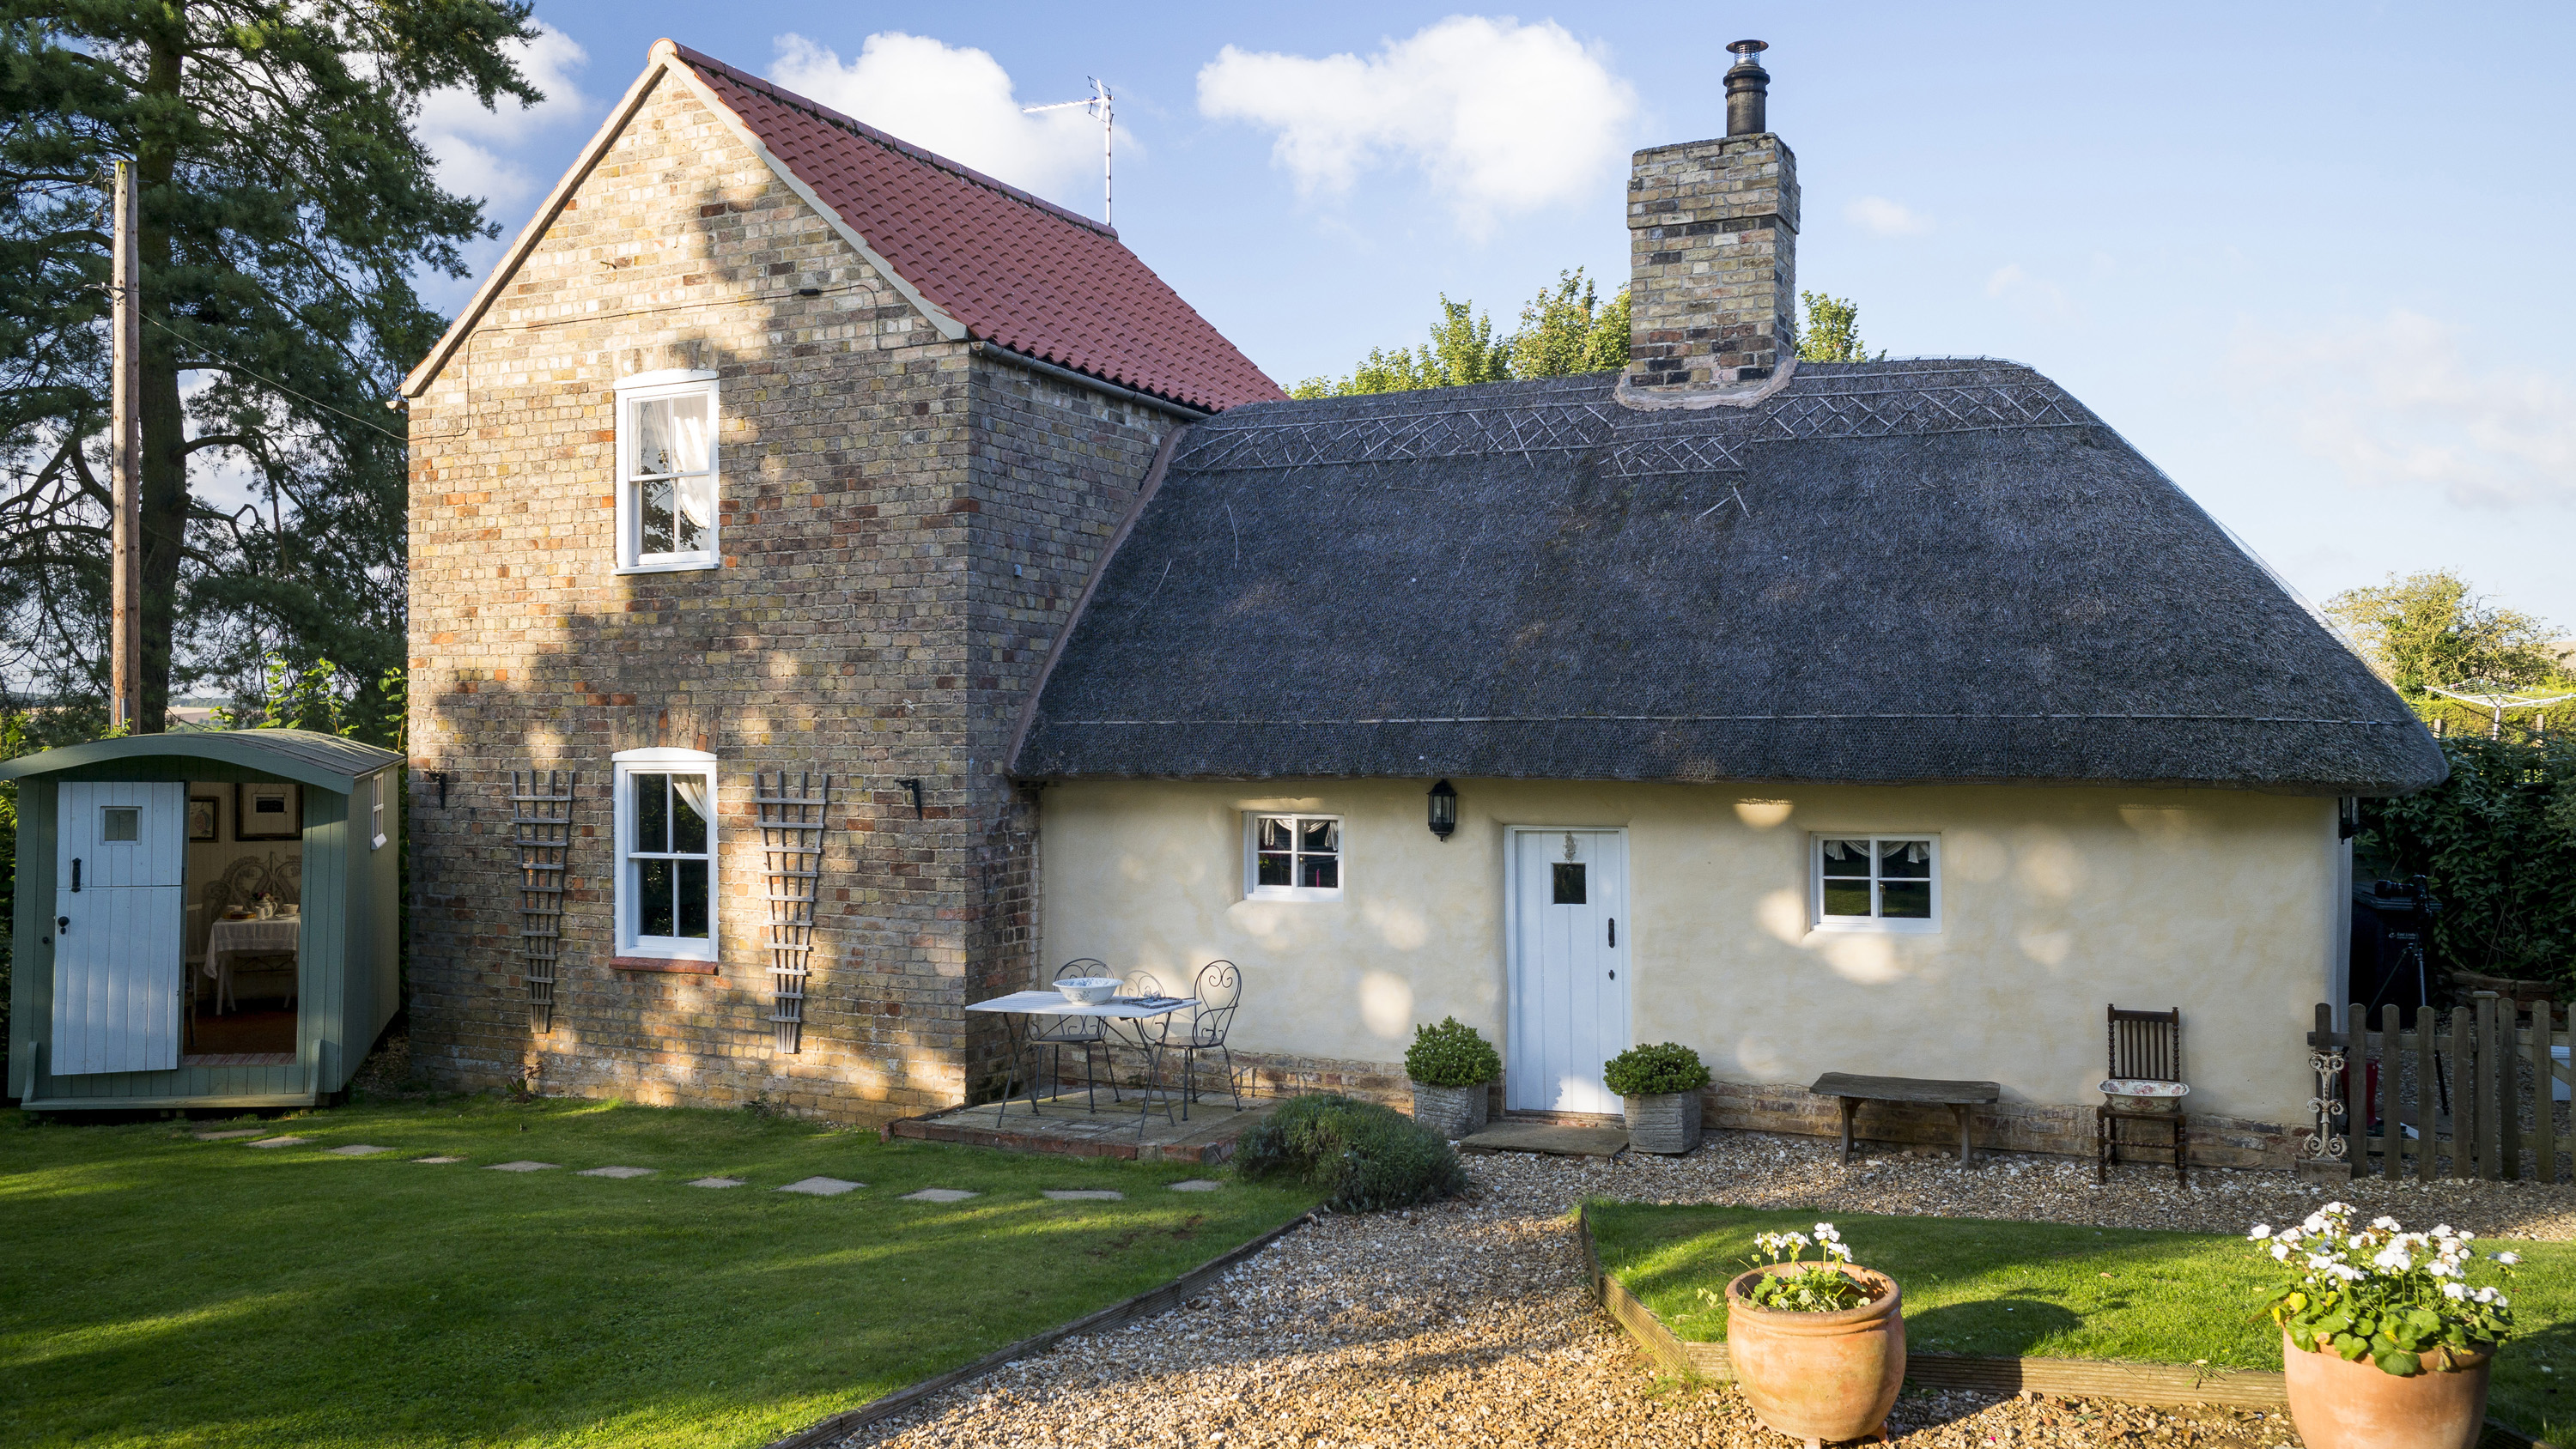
2035	297
1501	117
470	144
2397	403
1887	218
956	101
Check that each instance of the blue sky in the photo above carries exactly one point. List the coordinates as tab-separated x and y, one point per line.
2313	259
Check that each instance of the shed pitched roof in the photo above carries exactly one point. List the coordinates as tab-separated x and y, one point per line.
326	762
980	255
1891	572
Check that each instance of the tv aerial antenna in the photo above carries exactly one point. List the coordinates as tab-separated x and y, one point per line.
1099	104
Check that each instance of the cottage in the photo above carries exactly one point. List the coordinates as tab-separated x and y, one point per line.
843	585
207	919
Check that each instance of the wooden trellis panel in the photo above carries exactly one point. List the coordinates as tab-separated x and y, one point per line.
541	828
792	824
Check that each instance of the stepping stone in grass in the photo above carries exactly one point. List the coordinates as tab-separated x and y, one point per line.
939	1194
357	1149
228	1136
430	1160
282	1142
1196	1184
822	1186
617	1172
521	1167
1085	1194
716	1182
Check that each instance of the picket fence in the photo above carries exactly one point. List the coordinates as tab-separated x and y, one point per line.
2475	1095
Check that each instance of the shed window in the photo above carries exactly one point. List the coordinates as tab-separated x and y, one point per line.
666	464
1889	882
666	841
1294	857
376	812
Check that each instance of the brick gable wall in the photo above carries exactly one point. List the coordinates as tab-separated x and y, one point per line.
903	526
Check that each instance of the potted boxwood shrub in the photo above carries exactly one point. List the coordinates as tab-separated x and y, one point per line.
1450	1065
2384	1342
1818	1348
1659	1086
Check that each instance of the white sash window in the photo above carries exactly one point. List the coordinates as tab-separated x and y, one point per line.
666	471
666	854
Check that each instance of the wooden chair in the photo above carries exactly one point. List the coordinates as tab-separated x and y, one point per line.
2145	1046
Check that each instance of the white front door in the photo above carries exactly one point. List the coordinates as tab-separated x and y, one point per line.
1569	968
119	962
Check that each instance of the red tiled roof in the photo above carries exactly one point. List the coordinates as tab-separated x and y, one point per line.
1015	270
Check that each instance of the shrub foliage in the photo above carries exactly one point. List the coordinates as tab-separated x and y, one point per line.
1650	1071
1364	1156
1451	1054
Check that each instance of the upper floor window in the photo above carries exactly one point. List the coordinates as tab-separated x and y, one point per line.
1883	882
666	854
666	471
1293	857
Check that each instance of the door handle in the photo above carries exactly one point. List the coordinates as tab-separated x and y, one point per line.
76	875
1614	930
62	925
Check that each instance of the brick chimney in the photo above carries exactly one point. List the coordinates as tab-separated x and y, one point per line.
1713	257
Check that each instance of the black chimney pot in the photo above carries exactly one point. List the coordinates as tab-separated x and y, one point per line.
1748	85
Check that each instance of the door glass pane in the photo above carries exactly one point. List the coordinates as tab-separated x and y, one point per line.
1277	869
122	822
653	813
1569	884
654	915
1846	897
692	887
1907	899
1846	858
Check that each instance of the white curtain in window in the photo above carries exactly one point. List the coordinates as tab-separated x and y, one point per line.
692	790
1916	851
698	500
671	435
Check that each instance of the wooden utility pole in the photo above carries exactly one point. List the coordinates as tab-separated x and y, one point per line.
125	461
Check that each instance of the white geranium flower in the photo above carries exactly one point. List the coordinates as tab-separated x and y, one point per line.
2389	1223
2454	1291
2508	1259
2280	1252
2261	1231
2484	1295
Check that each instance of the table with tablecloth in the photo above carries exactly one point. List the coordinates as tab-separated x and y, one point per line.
227	939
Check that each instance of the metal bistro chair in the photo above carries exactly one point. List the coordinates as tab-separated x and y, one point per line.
1219	990
2146	1046
1090	1033
1152	1034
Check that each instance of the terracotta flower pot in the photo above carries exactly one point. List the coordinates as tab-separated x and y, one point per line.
1820	1377
1453	1112
2339	1404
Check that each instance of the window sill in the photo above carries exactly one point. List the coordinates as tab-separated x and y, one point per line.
1292	893
1879	927
670	566
663	963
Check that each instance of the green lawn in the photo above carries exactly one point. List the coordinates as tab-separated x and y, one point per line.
155	1289
2050	1290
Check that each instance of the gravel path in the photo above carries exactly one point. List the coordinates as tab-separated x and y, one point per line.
1471	1319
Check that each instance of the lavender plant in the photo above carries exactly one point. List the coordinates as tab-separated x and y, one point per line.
2384	1293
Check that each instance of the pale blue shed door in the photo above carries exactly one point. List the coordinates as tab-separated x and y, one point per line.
119	965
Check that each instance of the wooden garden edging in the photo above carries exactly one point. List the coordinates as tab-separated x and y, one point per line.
2134	1383
1147	1304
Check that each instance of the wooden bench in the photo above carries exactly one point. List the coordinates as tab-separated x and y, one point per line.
1957	1096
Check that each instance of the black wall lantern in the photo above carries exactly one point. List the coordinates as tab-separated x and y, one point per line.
1444	809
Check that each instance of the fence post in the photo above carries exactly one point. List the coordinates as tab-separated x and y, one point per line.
2464	1098
2392	1135
2544	1115
2490	1088
2324	1157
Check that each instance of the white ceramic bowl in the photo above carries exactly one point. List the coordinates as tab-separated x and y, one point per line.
1088	990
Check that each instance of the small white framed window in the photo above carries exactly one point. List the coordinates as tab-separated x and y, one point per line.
376	811
666	854
1292	857
1876	882
666	471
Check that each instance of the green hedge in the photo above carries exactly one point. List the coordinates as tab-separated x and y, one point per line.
1363	1156
1451	1054
2498	842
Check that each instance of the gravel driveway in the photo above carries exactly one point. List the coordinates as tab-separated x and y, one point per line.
1471	1319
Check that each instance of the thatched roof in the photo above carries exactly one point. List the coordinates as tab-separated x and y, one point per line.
1899	572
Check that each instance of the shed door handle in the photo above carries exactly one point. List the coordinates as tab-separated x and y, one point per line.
1614	930
75	875
62	925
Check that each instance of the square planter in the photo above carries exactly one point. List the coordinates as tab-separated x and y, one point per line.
1667	1122
1453	1112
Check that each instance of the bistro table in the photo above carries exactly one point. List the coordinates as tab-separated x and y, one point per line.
1019	1007
225	939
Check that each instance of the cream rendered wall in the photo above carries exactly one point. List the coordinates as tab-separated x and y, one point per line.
2055	903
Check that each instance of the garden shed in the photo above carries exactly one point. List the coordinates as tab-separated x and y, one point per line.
204	919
